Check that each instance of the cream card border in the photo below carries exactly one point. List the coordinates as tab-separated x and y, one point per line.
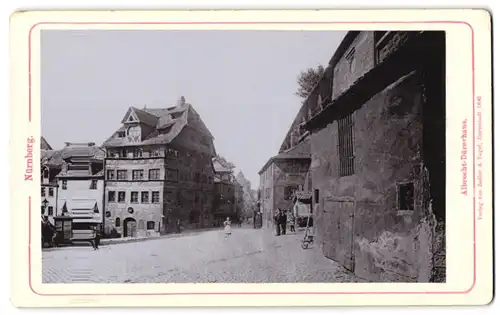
469	218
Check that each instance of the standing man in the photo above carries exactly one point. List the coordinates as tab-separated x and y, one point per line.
97	239
282	221
277	217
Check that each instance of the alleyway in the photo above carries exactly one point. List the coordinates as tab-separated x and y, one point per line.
248	255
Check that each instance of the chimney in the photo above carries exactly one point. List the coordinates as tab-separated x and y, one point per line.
181	101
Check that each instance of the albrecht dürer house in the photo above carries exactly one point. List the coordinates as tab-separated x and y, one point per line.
376	129
158	169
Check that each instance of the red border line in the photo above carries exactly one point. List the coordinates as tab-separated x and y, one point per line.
268	293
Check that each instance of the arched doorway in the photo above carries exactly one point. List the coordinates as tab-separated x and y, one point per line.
129	227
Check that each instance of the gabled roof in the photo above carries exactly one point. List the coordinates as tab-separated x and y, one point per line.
142	117
221	165
302	151
54	159
44	145
166	124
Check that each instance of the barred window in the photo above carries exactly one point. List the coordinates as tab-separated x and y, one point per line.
346	146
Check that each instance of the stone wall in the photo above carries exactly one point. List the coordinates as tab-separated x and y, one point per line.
267	197
363	60
378	240
119	212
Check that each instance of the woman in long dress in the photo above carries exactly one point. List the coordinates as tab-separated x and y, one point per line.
227	227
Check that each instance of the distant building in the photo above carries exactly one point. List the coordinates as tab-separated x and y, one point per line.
159	169
81	185
227	191
280	177
377	134
249	200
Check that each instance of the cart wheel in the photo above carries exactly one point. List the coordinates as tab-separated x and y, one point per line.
304	245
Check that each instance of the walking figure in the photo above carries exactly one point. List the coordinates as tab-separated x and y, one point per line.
227	227
97	239
292	222
178	225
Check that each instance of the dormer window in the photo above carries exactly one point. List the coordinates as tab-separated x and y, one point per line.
121	134
350	59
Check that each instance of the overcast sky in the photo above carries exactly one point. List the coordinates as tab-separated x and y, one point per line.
242	83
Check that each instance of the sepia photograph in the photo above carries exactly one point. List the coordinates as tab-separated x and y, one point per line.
234	156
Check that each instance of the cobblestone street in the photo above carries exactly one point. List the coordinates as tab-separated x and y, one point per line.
247	256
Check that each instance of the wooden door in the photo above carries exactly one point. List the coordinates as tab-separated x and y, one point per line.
338	231
131	228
